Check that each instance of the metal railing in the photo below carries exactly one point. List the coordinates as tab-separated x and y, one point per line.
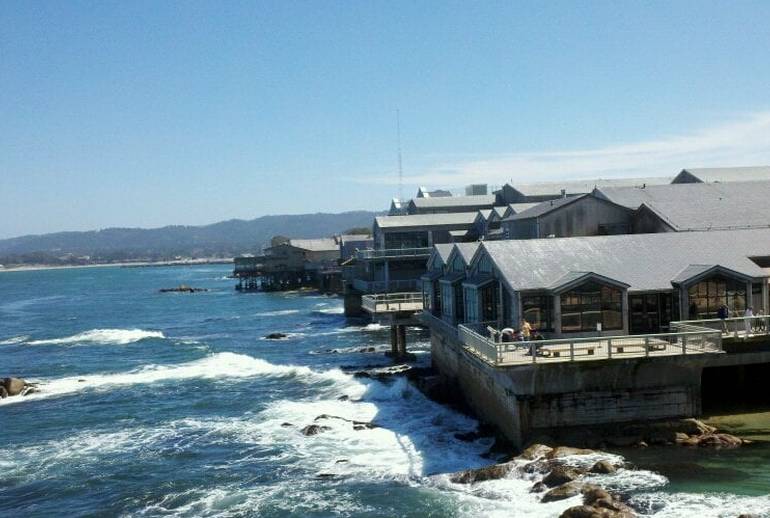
393	252
436	322
743	327
392	302
488	346
404	285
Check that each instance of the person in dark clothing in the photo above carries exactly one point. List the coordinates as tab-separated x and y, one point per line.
723	313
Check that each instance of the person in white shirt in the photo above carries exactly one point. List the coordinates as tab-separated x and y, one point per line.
748	314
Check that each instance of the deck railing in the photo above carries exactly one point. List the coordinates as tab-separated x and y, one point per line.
487	345
436	322
392	302
742	327
404	285
393	252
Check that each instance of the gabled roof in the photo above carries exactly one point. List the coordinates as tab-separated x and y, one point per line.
646	262
571	279
700	206
466	251
696	271
482	200
722	174
443	250
424	220
545	207
500	211
315	245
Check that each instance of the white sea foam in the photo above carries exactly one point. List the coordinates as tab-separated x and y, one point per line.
215	366
713	505
14	340
339	310
102	336
277	313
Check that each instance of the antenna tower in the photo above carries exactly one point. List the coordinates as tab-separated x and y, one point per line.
400	168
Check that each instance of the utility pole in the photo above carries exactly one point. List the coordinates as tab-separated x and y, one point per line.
400	168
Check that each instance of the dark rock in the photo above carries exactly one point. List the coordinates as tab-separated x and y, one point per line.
343	398
493	472
326	475
468	436
603	467
342	461
314	429
535	451
286	425
567	490
560	475
641	444
14	386
276	336
720	440
539	487
592	495
581	511
3	392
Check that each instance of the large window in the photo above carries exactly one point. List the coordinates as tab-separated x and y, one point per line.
707	295
590	304
538	311
471	305
446	300
406	240
489	302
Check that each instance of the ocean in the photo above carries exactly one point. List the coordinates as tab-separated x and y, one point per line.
173	404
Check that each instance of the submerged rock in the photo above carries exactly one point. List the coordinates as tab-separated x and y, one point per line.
3	392
603	467
493	472
566	451
314	429
276	336
567	490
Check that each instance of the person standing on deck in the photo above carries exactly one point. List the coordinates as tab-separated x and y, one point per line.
748	321
526	330
723	313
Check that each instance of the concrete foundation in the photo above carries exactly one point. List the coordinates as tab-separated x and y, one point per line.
525	401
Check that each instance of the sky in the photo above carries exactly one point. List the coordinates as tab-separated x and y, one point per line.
144	114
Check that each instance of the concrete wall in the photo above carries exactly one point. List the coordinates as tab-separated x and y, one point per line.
529	400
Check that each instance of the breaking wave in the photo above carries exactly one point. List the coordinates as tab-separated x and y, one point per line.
277	313
14	340
103	336
216	366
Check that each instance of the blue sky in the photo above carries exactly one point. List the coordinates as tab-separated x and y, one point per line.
153	113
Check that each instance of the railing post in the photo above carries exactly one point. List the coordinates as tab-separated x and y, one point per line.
533	351
684	344
609	348
646	345
572	351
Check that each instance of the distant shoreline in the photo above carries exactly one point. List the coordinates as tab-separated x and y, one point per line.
138	264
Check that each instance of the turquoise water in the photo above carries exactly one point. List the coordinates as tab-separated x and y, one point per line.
172	404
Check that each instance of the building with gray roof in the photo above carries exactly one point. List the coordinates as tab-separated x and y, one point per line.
694	206
722	174
621	284
450	204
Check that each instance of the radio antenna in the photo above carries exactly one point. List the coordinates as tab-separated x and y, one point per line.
400	168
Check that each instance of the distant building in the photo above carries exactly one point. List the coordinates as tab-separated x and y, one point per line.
449	204
476	189
722	174
422	192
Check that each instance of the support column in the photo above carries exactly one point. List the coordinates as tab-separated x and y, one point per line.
394	340
387	276
401	341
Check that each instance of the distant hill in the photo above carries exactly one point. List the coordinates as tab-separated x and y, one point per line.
223	239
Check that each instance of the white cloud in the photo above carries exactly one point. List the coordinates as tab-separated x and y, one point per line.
738	143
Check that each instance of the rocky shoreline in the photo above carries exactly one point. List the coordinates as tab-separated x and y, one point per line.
550	460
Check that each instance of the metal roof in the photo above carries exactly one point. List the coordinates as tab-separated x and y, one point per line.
443	250
726	174
700	206
467	251
586	186
426	220
544	208
455	201
315	245
646	262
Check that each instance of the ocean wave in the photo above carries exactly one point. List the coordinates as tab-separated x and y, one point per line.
14	340
339	310
707	505
102	336
277	313
216	366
